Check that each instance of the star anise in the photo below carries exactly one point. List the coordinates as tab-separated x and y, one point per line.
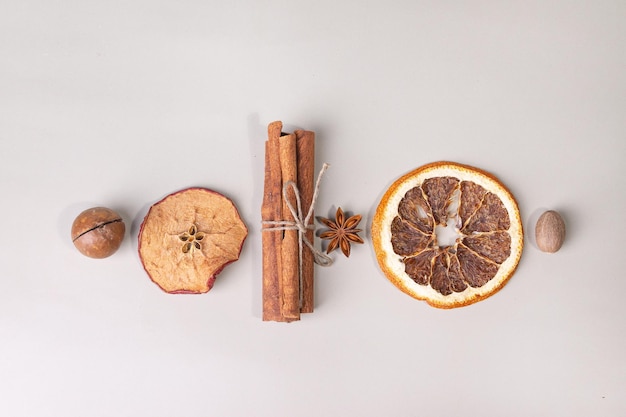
342	232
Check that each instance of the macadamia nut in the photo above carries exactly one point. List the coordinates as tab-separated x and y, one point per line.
98	232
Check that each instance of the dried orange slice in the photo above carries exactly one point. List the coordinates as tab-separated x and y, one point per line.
187	238
448	234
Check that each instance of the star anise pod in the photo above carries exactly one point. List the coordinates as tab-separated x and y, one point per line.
342	232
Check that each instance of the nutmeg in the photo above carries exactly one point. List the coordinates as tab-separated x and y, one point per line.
550	231
98	232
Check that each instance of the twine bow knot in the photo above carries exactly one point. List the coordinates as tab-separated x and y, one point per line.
300	223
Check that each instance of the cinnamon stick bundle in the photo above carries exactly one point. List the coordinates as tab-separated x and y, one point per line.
287	279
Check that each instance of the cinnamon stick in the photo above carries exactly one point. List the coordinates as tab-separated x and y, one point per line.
290	278
305	143
271	210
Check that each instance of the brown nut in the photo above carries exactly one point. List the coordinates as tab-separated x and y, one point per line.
98	232
550	231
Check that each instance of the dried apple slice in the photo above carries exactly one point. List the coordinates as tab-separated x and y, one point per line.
187	238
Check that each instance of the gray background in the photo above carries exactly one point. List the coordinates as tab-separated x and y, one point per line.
120	103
